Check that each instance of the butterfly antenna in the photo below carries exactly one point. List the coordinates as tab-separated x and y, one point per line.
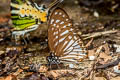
54	4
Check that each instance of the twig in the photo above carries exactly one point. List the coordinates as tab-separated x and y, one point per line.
116	62
92	35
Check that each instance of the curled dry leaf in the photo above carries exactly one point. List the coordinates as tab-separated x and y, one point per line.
92	54
104	58
103	55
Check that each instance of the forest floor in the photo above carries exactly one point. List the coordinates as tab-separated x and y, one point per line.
97	24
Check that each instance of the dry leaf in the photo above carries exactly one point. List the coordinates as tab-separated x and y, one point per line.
106	47
105	58
10	77
105	55
58	73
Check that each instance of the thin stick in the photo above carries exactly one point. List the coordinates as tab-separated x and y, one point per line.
97	34
110	64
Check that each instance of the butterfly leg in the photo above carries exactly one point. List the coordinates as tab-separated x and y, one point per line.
28	39
18	34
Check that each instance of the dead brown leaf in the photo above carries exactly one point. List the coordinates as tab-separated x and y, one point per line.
58	73
10	77
104	58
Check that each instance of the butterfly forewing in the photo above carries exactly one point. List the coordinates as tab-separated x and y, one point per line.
63	40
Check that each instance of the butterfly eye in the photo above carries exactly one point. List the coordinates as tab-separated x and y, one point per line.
62	38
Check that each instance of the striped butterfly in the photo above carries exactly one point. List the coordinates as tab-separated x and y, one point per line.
64	43
27	15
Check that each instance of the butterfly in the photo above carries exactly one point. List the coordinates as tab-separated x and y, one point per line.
65	44
27	15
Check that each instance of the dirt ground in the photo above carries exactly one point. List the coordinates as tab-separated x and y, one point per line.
98	20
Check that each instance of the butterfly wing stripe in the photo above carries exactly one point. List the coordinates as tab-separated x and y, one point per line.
15	11
71	57
67	60
65	49
69	45
63	36
61	45
72	49
23	26
65	32
15	5
22	32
